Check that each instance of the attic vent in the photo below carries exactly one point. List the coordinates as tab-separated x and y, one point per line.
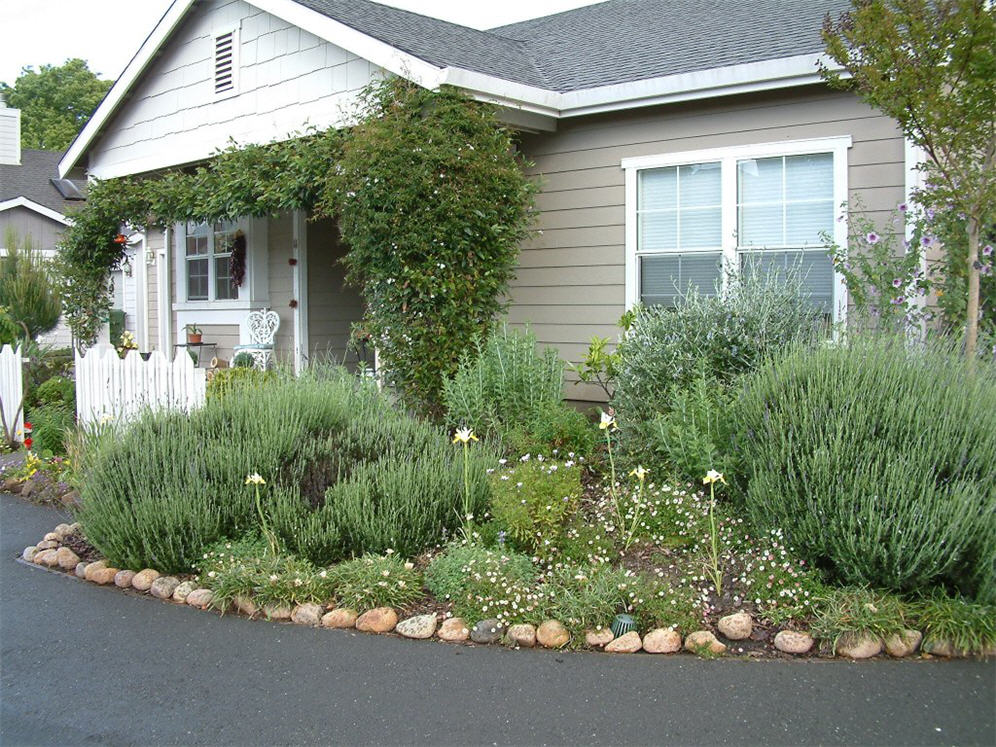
226	62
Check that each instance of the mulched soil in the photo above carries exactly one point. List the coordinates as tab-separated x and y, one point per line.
79	545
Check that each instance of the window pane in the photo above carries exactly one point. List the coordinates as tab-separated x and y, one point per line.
805	221
814	268
809	177
197	239
223	287
759	180
658	189
224	234
665	277
197	279
658	231
699	185
701	228
760	225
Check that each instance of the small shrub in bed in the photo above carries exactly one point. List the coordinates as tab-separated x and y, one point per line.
375	581
969	627
51	425
876	459
533	500
485	584
346	474
585	596
245	568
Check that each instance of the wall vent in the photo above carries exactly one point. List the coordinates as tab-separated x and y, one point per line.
226	63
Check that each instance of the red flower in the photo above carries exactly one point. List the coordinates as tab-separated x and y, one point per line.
120	239
27	442
27	426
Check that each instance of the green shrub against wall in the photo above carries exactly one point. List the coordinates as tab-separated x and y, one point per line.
877	459
345	474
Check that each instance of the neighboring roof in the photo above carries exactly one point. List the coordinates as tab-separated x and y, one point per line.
32	180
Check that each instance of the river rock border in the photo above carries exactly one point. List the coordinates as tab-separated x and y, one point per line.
50	552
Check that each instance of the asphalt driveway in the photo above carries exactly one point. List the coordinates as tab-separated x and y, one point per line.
83	664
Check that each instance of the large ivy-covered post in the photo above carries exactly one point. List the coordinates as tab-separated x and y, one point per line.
433	201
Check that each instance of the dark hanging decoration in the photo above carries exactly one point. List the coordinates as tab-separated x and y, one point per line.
237	262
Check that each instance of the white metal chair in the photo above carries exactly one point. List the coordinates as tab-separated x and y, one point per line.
262	325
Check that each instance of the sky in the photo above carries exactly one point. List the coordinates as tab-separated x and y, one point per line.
107	33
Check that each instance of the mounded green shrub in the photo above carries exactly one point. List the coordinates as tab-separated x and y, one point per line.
51	425
346	474
718	337
877	459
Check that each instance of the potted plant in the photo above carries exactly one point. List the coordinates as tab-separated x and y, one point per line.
194	334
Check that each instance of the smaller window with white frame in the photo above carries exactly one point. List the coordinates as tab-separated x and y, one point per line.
693	216
208	256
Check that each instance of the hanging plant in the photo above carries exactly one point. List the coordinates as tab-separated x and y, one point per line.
237	262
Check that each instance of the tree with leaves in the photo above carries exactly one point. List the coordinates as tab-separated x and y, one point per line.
931	66
55	102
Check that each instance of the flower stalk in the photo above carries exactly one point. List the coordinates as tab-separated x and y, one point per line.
715	572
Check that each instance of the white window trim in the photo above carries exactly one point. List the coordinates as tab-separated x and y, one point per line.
728	158
253	293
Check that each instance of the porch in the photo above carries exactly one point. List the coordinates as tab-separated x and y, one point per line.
183	276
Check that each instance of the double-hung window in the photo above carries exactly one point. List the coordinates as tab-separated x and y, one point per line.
207	262
692	217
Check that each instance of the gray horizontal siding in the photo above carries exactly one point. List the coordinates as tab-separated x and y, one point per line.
569	284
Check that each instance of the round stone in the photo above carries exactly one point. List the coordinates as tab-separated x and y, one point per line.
308	614
420	626
598	638
487	631
793	641
662	641
45	557
182	590
29	553
552	634
904	644
340	618
377	620
104	576
124	578
703	641
277	611
142	581
163	587
92	568
454	629
627	643
200	598
523	635
81	570
859	646
736	627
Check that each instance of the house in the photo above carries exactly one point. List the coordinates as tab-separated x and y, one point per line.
34	202
670	136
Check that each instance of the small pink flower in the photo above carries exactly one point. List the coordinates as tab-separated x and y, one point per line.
872	238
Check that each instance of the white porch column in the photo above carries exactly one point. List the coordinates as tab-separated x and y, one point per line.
299	250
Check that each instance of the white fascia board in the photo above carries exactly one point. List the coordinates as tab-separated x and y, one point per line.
150	47
721	81
24	202
362	45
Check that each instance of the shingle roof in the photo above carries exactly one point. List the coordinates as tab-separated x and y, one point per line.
33	180
618	41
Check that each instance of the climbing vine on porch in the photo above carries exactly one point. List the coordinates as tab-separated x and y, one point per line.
433	202
429	194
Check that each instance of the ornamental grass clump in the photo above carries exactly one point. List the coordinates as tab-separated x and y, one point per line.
852	612
345	474
970	628
876	459
585	596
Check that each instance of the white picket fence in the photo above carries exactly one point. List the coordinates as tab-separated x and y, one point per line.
12	388
119	388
